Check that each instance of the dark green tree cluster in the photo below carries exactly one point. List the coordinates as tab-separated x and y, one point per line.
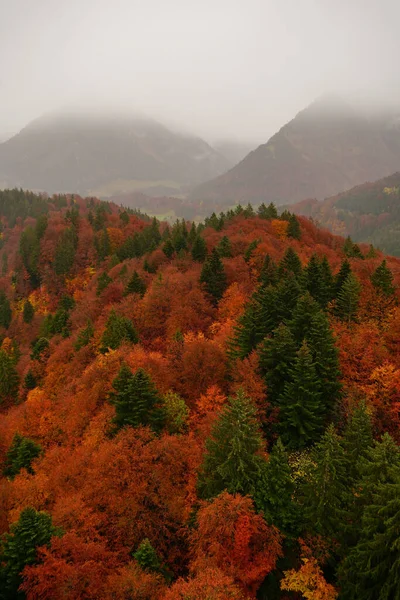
102	283
18	549
382	279
9	378
66	248
17	203
20	455
84	336
139	243
136	400
351	249
29	249
267	212
213	277
5	311
28	312
118	330
135	285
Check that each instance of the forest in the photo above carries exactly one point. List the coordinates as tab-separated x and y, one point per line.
195	411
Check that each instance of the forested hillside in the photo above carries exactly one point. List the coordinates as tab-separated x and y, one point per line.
195	412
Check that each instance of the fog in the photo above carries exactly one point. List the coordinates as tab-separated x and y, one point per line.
220	68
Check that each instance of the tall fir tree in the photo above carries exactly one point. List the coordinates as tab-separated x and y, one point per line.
9	378
232	460
28	312
275	492
290	263
118	329
293	230
20	455
324	492
199	249
277	355
302	315
136	400
135	285
347	300
301	416
382	279
224	247
269	272
340	278
213	276
5	311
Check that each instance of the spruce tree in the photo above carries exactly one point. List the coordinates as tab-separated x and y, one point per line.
20	455
301	415
18	549
319	280
213	276
199	249
84	336
147	557
232	460
267	212
168	249
250	249
28	312
275	490
269	272
136	400
327	288
382	279
340	278
290	263
5	311
300	323
9	379
347	301
30	381
118	329
357	439
135	285
325	491
277	355
224	247
192	234
326	360
371	570
293	230
102	283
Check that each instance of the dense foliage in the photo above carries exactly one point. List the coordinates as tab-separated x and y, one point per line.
195	411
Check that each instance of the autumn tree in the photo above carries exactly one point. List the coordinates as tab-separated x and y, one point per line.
136	400
232	460
20	455
176	413
209	583
309	581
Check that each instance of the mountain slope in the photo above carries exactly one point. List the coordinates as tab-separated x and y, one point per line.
82	153
368	213
327	148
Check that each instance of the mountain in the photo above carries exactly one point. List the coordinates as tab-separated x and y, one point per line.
327	148
233	150
105	154
368	213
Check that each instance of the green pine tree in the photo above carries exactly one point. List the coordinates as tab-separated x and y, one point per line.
9	379
301	415
277	355
325	490
135	285
382	279
340	278
168	249
325	356
293	230
102	283
118	329
275	491
357	439
20	455
147	557
28	312
40	349
199	249
232	461
327	288
267	212
213	276
5	311
136	400
30	381
269	272
305	310
250	249
84	336
224	247
347	300
18	549
290	263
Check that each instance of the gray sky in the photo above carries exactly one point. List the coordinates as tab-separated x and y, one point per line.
219	68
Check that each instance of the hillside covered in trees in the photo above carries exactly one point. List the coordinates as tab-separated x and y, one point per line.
195	412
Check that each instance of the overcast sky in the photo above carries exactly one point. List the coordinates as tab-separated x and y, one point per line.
220	68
